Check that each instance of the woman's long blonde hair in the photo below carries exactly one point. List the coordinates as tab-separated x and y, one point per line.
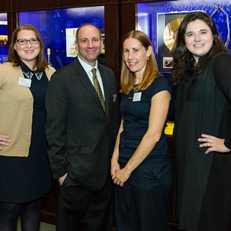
127	78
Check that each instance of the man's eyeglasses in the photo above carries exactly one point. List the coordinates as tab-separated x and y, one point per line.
23	42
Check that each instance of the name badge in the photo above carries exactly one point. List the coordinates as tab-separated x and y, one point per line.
137	96
24	82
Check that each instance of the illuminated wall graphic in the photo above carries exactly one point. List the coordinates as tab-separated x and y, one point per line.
70	42
163	18
3	37
58	28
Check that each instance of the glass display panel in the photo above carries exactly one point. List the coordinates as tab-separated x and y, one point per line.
3	37
58	27
160	20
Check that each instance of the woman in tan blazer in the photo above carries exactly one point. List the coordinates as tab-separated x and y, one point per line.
24	168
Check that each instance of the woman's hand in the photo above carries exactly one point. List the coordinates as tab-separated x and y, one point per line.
121	176
115	167
213	143
4	141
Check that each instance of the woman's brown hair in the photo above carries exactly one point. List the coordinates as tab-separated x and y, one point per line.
41	62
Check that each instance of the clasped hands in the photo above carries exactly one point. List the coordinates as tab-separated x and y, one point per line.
119	176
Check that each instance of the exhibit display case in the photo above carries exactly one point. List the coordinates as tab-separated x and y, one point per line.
58	28
160	20
3	37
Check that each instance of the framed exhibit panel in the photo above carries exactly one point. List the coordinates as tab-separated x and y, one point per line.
164	19
3	37
58	28
167	26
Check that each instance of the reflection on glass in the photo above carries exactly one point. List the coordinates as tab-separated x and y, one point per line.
159	20
58	28
3	37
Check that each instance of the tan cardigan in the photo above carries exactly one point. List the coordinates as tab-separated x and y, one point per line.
16	109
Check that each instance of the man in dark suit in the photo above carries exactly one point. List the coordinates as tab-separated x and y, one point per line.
81	125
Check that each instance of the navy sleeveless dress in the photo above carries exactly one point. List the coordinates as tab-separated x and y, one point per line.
142	204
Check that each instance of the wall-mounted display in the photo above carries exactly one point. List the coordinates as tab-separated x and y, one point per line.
3	37
165	17
168	24
58	27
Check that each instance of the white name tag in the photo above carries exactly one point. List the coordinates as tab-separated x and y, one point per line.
24	82
137	96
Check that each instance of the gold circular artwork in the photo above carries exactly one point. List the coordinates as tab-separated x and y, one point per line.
170	32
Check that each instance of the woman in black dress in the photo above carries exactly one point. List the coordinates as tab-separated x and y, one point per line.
202	76
24	168
140	166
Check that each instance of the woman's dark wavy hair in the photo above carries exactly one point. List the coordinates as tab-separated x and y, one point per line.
183	61
41	62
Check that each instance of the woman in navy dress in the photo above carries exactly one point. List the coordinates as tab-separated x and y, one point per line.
140	166
24	169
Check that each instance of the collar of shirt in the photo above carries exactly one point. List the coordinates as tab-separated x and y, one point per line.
88	69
